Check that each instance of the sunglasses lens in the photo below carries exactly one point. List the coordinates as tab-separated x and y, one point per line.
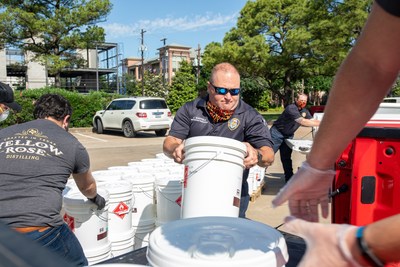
221	91
234	91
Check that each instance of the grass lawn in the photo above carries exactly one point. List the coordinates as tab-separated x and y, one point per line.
270	116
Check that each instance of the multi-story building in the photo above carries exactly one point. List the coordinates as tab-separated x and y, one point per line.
104	67
167	63
100	73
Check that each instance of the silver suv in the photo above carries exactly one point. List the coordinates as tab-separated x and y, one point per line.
134	114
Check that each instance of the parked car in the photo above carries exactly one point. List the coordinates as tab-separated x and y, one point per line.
133	114
391	100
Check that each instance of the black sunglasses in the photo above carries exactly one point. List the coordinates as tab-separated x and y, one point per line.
224	91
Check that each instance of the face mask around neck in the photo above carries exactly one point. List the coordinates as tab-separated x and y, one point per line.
4	115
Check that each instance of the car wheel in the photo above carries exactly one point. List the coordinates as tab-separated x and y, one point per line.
128	129
99	126
161	132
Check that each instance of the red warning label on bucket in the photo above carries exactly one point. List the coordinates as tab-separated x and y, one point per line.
121	210
185	176
70	221
179	201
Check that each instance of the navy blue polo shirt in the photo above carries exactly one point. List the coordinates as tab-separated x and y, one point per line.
286	123
245	125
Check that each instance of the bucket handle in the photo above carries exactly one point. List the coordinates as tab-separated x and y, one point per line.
205	163
172	201
98	214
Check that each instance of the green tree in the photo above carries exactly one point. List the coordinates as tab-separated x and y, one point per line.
53	29
254	92
290	40
153	85
130	85
183	88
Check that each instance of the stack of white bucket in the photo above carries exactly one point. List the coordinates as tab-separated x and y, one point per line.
141	196
89	224
211	189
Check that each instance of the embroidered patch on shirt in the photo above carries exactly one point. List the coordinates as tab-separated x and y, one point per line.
233	124
303	114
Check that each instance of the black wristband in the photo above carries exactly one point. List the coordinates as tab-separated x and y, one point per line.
365	250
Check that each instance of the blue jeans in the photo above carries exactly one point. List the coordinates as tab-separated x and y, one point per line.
61	240
285	151
244	196
244	204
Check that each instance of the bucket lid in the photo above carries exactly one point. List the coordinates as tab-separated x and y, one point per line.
216	241
216	141
170	179
119	186
139	178
75	197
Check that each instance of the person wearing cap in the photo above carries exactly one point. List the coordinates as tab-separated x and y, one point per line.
36	160
223	113
7	101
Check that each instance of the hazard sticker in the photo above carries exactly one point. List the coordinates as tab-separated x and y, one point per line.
185	176
179	201
70	221
121	210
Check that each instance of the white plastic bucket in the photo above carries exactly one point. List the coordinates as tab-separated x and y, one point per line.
168	197
216	242
89	224
98	254
213	176
123	243
120	208
124	169
143	208
107	176
142	234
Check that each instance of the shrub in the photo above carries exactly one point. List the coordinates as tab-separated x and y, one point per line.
84	105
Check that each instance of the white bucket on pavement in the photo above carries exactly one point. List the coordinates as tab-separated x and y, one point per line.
168	196
213	176
123	243
216	242
120	208
120	215
98	254
89	225
124	169
107	176
142	234
143	208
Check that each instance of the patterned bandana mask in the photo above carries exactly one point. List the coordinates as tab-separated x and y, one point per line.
218	114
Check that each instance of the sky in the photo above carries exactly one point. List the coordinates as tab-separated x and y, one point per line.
185	22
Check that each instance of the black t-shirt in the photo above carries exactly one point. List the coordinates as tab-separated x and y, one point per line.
286	123
390	6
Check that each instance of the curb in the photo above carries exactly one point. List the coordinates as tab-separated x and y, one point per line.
81	130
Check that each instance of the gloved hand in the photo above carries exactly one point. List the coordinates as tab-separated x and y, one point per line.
99	201
307	189
326	243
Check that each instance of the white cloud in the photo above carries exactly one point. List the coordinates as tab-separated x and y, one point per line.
169	24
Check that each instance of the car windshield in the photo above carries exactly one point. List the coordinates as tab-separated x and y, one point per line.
153	104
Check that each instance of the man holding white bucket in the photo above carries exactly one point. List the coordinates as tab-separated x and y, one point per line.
223	113
36	160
